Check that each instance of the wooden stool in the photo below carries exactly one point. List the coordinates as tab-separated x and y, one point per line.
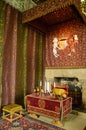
12	112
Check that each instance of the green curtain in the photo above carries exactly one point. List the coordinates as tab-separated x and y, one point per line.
39	58
35	59
21	62
2	19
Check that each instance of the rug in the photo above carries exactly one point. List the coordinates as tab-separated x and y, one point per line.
27	123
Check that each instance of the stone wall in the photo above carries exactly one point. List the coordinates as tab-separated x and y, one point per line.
79	73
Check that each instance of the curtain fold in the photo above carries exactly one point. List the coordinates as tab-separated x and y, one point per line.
2	19
31	59
21	61
35	61
9	56
23	58
39	58
14	58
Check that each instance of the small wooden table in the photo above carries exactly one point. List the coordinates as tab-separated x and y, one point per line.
12	112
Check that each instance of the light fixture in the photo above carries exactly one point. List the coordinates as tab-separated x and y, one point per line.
83	6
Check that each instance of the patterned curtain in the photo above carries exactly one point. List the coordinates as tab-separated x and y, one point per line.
14	58
31	50
9	56
40	44
21	61
35	59
23	58
2	19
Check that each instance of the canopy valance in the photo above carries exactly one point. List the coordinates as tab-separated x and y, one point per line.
48	7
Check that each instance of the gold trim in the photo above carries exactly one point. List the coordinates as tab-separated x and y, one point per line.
68	67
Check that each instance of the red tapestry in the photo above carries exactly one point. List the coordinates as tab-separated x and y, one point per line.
66	58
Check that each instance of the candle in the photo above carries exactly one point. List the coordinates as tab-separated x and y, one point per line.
48	87
54	84
82	0
45	87
40	83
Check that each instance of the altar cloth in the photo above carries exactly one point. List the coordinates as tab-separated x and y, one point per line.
48	106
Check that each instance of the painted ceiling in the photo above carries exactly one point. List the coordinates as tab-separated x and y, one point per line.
23	5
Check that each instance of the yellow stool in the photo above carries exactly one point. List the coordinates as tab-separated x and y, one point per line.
12	112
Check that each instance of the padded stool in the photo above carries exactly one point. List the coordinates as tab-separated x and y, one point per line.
12	112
